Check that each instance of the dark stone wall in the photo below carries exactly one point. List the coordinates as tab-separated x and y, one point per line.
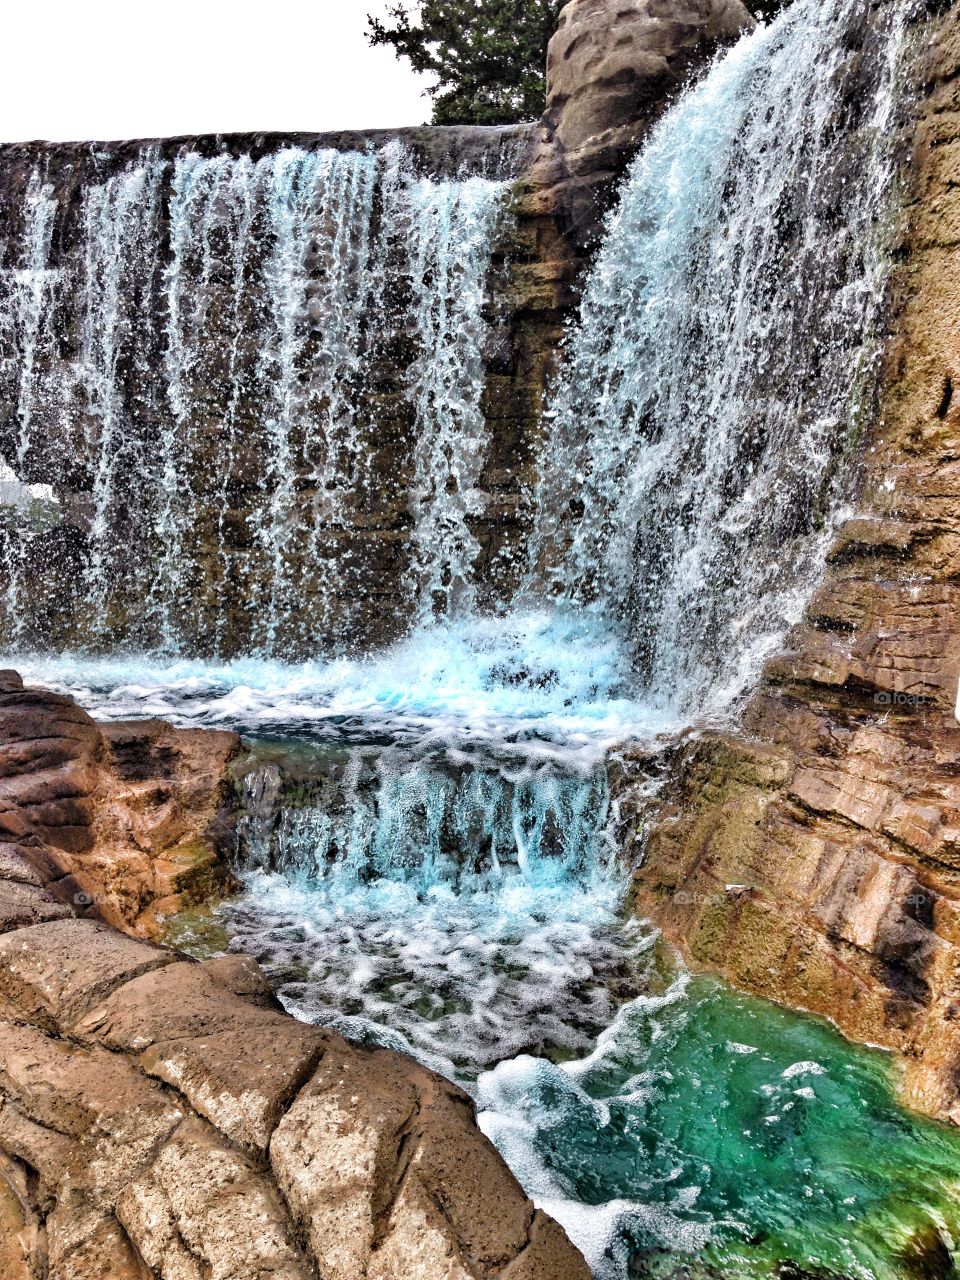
530	295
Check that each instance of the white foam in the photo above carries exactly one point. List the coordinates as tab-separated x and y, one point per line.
535	687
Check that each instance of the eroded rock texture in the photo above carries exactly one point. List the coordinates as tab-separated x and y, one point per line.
612	66
817	859
121	821
166	1120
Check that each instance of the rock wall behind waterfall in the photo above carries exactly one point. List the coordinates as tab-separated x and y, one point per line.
275	385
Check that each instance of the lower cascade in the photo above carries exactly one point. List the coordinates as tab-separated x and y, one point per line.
269	509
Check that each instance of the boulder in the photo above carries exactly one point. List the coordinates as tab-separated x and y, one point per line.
612	68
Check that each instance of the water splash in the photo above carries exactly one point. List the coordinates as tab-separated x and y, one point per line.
468	906
533	689
725	359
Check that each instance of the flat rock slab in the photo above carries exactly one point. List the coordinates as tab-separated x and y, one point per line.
111	1116
52	974
180	1001
26	904
238	1063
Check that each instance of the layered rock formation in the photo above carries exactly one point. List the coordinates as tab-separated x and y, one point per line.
611	68
125	822
161	1118
814	857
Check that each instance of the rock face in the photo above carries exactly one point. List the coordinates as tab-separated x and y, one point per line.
816	859
121	821
161	1118
611	67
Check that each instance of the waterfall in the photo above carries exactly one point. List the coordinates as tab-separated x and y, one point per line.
723	368
30	290
380	810
271	373
452	230
120	221
236	342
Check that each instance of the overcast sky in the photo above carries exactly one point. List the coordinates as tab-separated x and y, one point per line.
106	69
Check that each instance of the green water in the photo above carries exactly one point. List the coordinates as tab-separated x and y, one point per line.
749	1141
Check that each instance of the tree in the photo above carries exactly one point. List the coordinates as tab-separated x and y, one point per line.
489	57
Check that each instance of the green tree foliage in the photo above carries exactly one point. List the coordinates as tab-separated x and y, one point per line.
488	56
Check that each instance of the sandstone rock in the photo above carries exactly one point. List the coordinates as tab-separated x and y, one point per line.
84	1244
56	972
25	904
611	68
202	1202
110	820
19	1251
241	1078
338	1156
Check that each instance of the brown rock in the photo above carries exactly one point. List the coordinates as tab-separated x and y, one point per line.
243	1077
19	1254
26	904
339	1155
111	819
611	67
201	1208
52	974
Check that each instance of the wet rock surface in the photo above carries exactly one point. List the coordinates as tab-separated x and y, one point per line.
122	821
611	67
815	859
162	1118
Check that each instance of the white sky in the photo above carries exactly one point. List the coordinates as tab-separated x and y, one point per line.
107	69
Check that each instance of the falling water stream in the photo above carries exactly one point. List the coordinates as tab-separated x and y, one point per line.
431	845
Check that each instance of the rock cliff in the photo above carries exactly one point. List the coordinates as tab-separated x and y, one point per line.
122	821
813	857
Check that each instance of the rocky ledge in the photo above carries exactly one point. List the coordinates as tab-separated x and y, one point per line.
122	822
162	1119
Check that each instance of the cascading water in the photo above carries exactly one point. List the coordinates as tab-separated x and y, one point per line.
22	332
430	853
452	231
228	392
120	220
724	364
